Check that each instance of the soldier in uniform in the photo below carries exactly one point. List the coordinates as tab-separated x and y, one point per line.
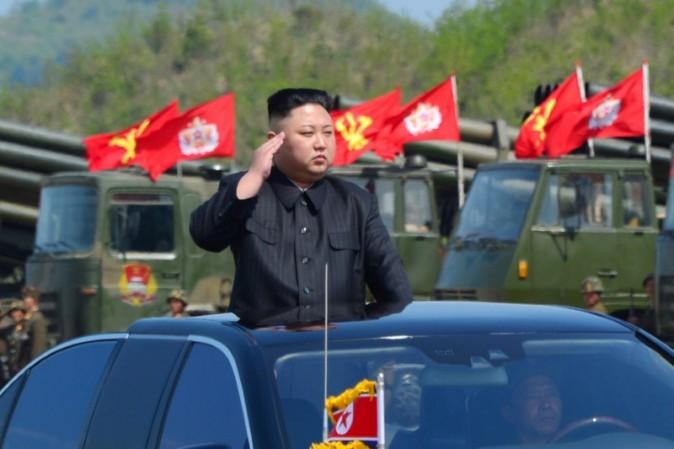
592	288
18	339
177	302
36	321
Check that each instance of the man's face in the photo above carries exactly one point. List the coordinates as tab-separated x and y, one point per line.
29	302
591	298
649	288
17	315
176	306
537	409
309	146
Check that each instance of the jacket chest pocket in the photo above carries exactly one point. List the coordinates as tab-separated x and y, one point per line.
344	241
264	233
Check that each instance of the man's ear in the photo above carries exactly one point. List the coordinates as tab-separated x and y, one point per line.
271	134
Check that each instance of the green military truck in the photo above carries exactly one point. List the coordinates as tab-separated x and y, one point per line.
530	231
111	245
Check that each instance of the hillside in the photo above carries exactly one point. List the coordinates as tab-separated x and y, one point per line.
500	50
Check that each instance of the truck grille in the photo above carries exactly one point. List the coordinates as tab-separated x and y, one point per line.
455	293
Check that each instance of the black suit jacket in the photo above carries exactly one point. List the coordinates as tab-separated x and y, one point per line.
282	239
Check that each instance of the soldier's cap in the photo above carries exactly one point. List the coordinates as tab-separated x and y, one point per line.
591	284
16	305
177	294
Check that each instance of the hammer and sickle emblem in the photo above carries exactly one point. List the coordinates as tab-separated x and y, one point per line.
540	118
128	141
352	128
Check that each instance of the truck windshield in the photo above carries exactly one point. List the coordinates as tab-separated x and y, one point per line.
496	205
67	220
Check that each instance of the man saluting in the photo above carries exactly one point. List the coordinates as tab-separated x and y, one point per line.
285	219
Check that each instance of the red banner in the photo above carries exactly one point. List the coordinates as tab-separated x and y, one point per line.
532	139
432	115
117	150
206	130
619	111
357	130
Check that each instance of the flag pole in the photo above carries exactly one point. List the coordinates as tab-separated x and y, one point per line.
381	421
325	359
647	107
583	99
459	160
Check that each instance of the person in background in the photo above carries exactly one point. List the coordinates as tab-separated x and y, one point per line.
177	302
18	339
592	289
37	324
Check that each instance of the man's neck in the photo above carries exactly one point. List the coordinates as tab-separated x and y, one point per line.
302	185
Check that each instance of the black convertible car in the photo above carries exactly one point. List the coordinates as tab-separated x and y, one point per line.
457	376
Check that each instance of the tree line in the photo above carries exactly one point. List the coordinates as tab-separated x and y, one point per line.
499	49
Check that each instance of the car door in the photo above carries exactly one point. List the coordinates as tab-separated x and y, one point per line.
55	396
207	407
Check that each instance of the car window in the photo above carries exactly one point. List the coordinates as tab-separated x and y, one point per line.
474	391
206	404
54	406
7	403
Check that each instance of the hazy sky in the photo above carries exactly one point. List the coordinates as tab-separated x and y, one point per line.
424	11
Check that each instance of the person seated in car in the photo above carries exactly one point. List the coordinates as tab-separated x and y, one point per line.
534	409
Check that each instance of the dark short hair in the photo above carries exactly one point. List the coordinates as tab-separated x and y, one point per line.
31	291
283	101
649	277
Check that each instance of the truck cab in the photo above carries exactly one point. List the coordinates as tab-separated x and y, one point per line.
110	246
530	231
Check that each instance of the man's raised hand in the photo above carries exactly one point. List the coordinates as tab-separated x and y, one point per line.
260	167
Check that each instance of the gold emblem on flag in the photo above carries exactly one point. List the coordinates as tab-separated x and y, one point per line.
127	141
540	118
352	129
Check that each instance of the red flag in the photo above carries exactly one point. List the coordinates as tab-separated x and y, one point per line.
532	139
206	130
116	150
432	115
619	111
356	421
357	129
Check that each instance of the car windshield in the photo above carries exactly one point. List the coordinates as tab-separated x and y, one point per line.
497	205
478	391
67	221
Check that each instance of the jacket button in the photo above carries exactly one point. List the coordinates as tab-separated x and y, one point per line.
307	290
305	260
303	202
304	230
